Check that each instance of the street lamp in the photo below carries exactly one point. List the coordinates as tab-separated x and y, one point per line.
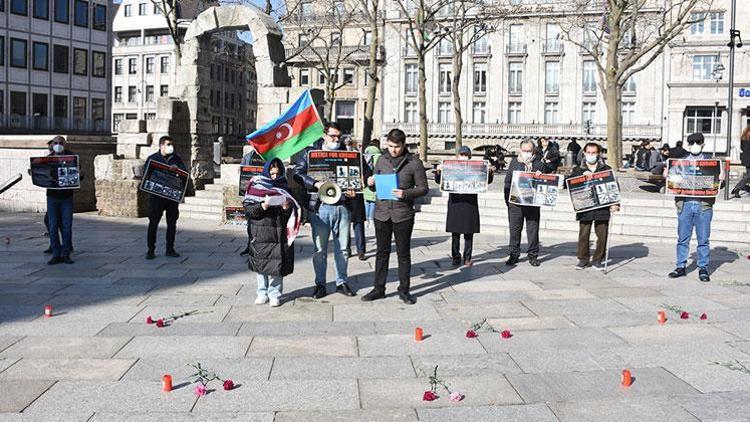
735	41
718	75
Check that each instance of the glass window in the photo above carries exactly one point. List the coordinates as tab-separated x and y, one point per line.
41	9
60	111
2	51
628	114
445	47
163	90
335	39
132	66
79	112
589	77
82	13
481	45
97	113
100	17
445	114
18	52
445	78
116	119
165	64
302	40
630	86
60	59
80	62
157	9
479	112
128	11
118	94
589	113
348	76
304	77
40	56
410	112
367	38
717	23
703	66
551	109
515	39
17	104
149	65
98	67
700	120
149	93
552	77
514	112
19	7
698	26
306	9
141	9
410	78
62	11
118	66
131	116
515	77
480	78
132	93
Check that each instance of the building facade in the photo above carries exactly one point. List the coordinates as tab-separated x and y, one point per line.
54	75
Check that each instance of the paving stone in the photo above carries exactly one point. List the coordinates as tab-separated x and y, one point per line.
574	307
20	393
538	360
49	327
680	354
672	333
478	312
384	312
303	346
5	363
470	365
66	417
407	393
615	292
198	288
513	413
717	407
571	338
711	378
628	319
201	313
7	341
182	417
530	323
379	415
653	304
310	328
645	409
85	300
496	285
200	329
399	345
319	367
181	300
69	347
445	326
187	347
303	312
239	370
68	369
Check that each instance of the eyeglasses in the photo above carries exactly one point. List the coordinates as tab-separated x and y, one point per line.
695	142
333	136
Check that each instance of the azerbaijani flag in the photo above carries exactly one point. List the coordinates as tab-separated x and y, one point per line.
297	128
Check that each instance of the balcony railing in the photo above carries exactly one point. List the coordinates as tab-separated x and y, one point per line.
506	130
552	47
15	123
312	54
516	48
484	49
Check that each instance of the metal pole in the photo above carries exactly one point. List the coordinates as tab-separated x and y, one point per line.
730	103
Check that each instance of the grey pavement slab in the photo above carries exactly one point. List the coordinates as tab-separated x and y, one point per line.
468	365
379	415
287	312
530	323
325	367
180	300
697	353
5	363
672	333
717	407
17	395
176	329
7	341
548	360
185	347
384	311
49	327
182	417
201	314
569	338
574	306
239	370
478	312
58	417
711	378
294	328
692	304
445	326
84	299
69	347
400	345
303	346
627	319
645	409
68	369
511	413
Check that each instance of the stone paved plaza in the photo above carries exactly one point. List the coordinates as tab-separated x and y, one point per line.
341	359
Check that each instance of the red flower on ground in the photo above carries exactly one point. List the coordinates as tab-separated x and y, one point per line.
506	334
149	320
228	385
160	323
471	334
429	396
704	317
684	315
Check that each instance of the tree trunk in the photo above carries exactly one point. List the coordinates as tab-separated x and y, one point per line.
373	88
458	120
614	126
422	107
330	98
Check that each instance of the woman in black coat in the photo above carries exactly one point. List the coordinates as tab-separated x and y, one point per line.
269	204
549	155
463	217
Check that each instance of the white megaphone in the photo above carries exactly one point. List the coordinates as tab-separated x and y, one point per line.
330	193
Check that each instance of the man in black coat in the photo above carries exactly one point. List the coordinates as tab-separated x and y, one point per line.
527	161
60	213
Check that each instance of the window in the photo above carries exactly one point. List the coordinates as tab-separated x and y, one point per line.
41	9
17	104
128	10
305	9
40	56
157	10
589	113
515	77
39	110
163	90
141	9
149	65
703	67
409	49
62	11
2	52
118	66
338	7
80	61
335	39
480	78
118	94
481	45
514	112
98	68
345	111
100	17
700	120
552	77
348	76
589	77
131	116
444	112
410	112
321	78
97	113
628	114
304	77
630	86
716	23
81	13
132	94
18	53
410	78
164	64
19	7
226	100
445	47
149	93
551	109
445	79
515	39
60	59
60	111
149	116
699	23
367	38
302	40
479	112
132	66
79	112
116	119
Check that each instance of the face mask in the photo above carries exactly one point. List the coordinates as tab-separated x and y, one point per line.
332	145
696	149
58	149
168	149
591	158
526	156
463	157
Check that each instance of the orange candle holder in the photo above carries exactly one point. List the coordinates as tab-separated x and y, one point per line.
47	311
166	383
627	378
662	317
419	334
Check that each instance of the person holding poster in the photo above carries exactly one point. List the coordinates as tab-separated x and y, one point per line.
744	183
60	213
327	219
599	217
463	216
158	205
395	218
694	213
527	161
247	160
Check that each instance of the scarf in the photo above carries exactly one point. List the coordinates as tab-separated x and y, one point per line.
262	186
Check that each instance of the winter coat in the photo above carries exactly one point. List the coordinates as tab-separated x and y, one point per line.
745	155
269	252
411	179
463	210
599	214
551	154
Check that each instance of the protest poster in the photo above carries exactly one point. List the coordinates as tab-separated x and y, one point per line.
162	180
464	176
693	178
56	172
597	190
342	167
530	189
247	172
235	216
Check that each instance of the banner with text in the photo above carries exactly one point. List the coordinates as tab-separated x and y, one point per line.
342	167
56	172
597	190
698	179
464	176
164	181
530	189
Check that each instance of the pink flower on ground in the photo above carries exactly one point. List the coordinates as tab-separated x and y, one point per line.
471	334
228	385
429	396
149	320
456	396
704	317
506	334
160	323
200	390
684	315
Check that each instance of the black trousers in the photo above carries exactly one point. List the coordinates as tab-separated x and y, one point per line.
157	206
456	244
744	182
516	217
384	231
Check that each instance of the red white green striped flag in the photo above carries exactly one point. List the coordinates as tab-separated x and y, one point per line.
297	128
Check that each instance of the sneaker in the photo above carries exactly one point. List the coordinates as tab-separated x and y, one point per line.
373	295
320	292
598	265
512	260
150	254
533	261
261	300
703	275
456	261
275	302
678	272
582	264
172	253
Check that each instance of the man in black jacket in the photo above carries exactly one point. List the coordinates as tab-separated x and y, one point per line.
60	213
527	161
599	218
158	205
395	219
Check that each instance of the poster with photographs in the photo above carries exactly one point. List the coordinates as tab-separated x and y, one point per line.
698	179
235	216
161	180
597	191
247	172
532	190
342	167
56	172
464	176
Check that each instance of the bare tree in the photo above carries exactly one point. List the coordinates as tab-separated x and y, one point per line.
371	12
171	10
623	37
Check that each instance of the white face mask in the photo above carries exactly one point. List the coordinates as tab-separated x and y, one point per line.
591	158
332	146
168	149
526	156
696	149
463	157
58	149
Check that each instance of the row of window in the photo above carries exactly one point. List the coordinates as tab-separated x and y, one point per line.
164	62
133	93
40	58
229	75
348	75
39	108
142	10
714	22
230	100
61	12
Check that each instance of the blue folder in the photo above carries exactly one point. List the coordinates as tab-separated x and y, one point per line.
384	186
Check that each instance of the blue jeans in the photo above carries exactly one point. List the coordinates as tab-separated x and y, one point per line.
60	212
330	221
270	286
693	215
369	210
359	236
